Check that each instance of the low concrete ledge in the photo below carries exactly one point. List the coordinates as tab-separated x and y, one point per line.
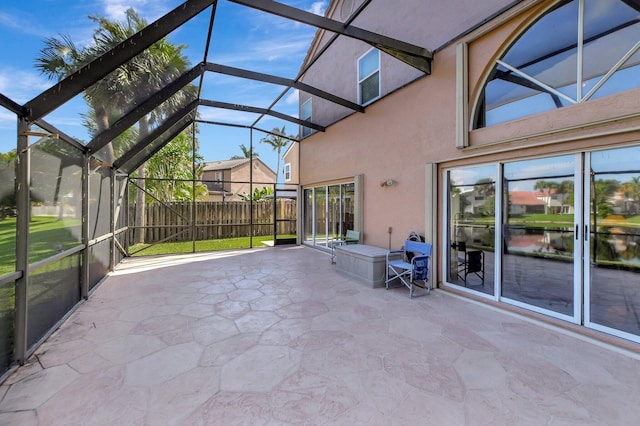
366	263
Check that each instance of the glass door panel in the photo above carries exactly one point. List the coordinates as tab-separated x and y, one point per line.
472	218
321	216
348	206
308	215
334	213
539	237
613	269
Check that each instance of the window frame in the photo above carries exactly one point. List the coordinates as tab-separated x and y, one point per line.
368	76
585	88
306	131
287	172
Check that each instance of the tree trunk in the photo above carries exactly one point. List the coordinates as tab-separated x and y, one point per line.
141	206
102	121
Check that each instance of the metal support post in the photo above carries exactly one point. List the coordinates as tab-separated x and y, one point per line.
22	242
84	279
194	201
112	215
251	187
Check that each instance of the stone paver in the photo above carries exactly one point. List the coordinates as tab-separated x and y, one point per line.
278	337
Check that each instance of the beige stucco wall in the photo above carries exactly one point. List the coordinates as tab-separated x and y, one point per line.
237	179
291	157
415	125
393	139
425	24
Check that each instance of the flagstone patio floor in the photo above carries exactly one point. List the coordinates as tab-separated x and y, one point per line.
277	336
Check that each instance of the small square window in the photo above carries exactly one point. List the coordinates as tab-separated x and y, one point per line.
217	177
369	77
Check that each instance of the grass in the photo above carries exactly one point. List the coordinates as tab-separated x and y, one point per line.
187	246
205	245
47	236
543	219
540	217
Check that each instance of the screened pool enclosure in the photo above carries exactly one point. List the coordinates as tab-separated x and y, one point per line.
73	206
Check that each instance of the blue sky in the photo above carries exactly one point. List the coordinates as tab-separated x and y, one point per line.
242	38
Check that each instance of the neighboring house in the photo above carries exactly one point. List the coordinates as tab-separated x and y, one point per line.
525	202
554	201
227	179
505	101
622	204
290	168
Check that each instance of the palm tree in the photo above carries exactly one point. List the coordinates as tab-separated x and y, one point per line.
59	58
246	153
172	168
549	186
129	84
277	141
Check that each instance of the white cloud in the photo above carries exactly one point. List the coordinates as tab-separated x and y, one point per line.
318	8
270	50
23	24
226	115
292	98
20	86
8	120
150	10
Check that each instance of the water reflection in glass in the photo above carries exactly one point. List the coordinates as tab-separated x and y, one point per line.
537	264
472	201
614	298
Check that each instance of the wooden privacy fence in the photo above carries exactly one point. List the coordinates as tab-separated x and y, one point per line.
215	220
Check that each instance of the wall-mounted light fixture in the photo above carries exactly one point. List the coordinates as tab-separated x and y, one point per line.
387	182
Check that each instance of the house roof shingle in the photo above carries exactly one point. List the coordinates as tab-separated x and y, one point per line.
225	164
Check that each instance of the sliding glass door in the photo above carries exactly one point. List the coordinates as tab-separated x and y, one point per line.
556	235
472	206
612	269
538	235
328	213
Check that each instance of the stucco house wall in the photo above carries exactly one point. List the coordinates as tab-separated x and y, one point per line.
291	157
236	179
416	124
410	21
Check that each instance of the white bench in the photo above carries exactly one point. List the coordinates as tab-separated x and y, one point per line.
366	263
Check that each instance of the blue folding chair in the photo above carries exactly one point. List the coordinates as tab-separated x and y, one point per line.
410	266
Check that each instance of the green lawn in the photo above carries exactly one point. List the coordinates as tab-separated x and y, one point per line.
634	219
206	245
47	236
544	219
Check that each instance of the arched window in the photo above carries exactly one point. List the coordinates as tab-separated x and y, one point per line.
579	50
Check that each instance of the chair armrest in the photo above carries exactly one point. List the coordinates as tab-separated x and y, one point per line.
394	252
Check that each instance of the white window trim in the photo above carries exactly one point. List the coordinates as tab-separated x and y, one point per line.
287	172
359	81
218	176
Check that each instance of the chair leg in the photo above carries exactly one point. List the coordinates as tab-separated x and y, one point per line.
426	288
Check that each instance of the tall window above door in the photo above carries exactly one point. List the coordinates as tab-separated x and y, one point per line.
369	77
577	51
305	114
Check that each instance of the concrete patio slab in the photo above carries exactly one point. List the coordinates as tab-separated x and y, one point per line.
278	337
